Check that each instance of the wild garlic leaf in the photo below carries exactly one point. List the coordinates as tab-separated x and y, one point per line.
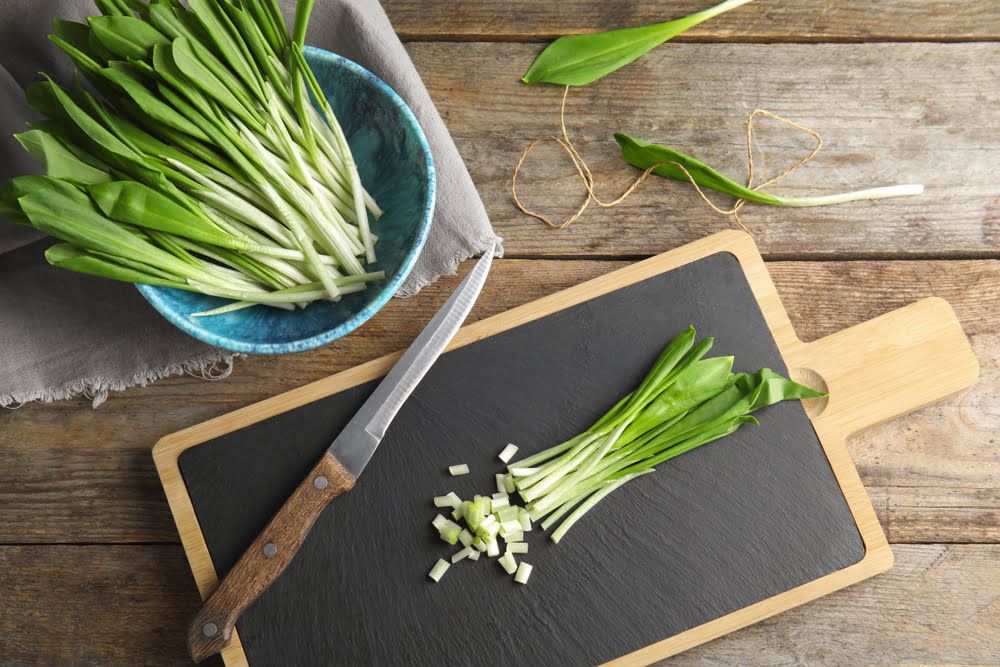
227	43
126	36
576	60
100	137
69	219
163	18
101	53
228	92
262	19
260	46
75	34
82	59
180	85
22	186
669	161
73	258
151	104
58	160
111	8
136	204
644	155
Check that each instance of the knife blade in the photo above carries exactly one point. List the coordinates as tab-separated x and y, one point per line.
336	472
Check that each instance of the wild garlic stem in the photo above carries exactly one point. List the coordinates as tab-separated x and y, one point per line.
857	195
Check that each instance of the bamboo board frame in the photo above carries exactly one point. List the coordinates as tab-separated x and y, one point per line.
874	372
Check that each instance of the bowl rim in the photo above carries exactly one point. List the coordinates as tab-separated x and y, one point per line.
154	294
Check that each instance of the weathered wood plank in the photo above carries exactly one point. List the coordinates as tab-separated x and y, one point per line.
72	474
130	604
890	113
774	21
938	605
95	605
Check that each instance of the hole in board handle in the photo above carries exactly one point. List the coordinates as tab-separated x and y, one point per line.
814	407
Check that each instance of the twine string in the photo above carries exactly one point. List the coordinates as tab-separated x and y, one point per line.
587	177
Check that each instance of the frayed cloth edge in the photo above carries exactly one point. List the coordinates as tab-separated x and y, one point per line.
205	366
452	265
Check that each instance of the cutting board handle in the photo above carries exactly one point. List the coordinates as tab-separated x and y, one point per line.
887	366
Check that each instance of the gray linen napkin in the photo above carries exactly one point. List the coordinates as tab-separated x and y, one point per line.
62	334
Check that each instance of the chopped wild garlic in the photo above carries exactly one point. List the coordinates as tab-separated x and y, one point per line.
517	547
508	453
439	569
464	553
508	563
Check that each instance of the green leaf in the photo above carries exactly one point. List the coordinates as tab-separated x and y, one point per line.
303	9
41	98
91	128
151	104
74	258
576	60
262	19
23	186
70	220
696	384
78	40
228	43
136	204
67	135
260	46
163	18
126	36
110	8
58	161
774	388
101	52
81	58
644	155
229	93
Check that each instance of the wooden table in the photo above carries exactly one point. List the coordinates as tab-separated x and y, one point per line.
902	91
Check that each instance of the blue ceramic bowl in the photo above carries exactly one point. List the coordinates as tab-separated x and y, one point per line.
397	169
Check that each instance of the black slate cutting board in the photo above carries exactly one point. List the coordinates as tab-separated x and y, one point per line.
711	532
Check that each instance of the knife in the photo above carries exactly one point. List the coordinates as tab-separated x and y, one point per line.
271	552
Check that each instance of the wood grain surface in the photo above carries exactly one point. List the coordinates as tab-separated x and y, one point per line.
131	604
772	21
92	573
888	113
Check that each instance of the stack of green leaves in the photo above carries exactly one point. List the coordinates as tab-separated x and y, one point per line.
196	158
684	402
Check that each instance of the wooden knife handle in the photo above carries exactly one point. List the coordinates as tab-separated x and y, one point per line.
268	556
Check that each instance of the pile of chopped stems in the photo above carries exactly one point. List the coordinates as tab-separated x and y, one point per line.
481	524
684	402
196	159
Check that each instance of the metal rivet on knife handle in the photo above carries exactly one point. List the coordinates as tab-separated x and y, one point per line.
210	629
266	558
321	482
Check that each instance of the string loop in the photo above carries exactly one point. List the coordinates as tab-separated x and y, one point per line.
587	177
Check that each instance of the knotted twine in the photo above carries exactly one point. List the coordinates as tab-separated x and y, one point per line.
583	170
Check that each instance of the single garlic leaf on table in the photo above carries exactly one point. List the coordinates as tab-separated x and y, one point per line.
668	162
576	60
